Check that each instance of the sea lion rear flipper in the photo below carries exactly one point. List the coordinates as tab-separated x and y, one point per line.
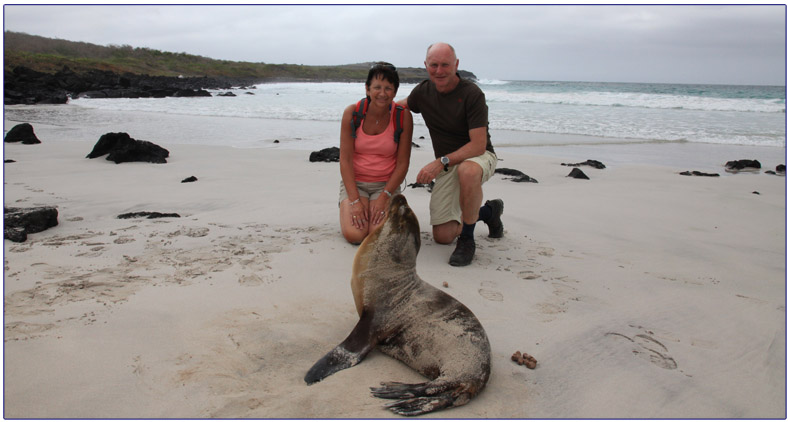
418	399
348	353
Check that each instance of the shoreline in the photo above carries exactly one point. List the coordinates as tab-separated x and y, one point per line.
641	293
84	124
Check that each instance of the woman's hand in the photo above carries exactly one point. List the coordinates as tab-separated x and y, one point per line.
378	208
358	215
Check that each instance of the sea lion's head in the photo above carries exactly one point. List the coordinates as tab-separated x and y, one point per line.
398	239
388	251
402	220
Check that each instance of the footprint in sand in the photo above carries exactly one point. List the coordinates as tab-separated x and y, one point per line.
646	347
123	239
490	294
528	275
545	251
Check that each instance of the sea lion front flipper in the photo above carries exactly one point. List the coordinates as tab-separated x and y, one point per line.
348	353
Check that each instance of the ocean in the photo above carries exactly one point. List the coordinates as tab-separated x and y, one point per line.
664	124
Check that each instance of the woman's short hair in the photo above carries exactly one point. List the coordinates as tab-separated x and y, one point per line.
387	71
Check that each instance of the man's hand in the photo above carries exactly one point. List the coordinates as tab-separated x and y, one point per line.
429	172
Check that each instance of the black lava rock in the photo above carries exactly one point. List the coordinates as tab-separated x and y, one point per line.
328	155
698	173
148	214
509	172
592	163
517	175
577	174
19	222
22	133
122	148
27	86
742	165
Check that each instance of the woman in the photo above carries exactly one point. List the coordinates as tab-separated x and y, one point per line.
372	164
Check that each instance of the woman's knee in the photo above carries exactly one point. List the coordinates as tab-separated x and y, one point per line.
354	236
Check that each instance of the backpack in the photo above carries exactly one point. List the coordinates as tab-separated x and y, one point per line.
361	111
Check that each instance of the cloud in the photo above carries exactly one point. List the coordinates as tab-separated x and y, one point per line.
713	44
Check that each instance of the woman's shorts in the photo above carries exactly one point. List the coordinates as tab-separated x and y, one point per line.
369	190
445	198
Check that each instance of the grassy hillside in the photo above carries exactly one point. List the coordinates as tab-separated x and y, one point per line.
50	55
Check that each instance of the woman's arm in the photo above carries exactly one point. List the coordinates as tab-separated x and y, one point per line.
347	146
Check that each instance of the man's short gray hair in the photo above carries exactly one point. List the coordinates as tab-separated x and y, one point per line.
450	46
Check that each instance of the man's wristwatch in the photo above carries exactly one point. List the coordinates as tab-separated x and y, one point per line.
445	162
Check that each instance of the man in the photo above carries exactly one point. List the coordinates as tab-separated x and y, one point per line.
455	111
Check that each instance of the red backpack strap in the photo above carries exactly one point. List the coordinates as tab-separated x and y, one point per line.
358	115
399	122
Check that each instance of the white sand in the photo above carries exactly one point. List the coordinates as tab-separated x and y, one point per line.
641	293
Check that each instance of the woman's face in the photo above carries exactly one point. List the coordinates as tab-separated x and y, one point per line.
381	91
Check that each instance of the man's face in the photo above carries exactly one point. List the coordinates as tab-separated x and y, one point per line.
442	67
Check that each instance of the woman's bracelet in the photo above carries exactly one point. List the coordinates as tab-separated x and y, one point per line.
387	193
354	202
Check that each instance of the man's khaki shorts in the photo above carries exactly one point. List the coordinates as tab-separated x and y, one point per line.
445	199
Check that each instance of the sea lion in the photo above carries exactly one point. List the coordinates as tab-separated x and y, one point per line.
411	321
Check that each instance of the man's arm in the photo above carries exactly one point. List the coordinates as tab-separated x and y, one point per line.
474	148
404	103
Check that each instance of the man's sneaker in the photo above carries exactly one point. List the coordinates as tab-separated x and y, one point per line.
495	225
463	253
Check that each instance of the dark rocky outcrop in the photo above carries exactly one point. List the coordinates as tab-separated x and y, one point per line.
22	133
122	148
149	215
19	222
328	155
524	178
517	175
742	165
592	163
509	172
577	174
698	173
27	86
778	171
189	179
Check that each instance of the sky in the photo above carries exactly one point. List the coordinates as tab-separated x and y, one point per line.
715	44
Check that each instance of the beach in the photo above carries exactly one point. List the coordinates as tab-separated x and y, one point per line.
641	293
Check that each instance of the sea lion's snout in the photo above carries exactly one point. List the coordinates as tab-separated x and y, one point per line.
398	207
402	219
397	202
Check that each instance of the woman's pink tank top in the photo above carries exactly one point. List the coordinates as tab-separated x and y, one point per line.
375	155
